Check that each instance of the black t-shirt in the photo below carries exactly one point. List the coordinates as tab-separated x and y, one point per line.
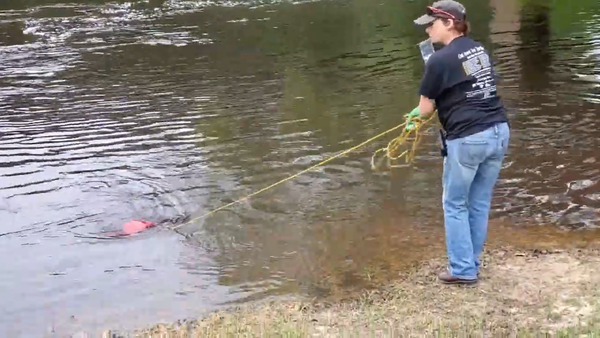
460	78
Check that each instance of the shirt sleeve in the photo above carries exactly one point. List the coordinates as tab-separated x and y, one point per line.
433	81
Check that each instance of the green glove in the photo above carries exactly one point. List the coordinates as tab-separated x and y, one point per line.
415	114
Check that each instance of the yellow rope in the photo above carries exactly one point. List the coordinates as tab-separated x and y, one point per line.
392	146
390	153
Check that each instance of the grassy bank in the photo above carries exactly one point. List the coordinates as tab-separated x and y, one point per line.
524	293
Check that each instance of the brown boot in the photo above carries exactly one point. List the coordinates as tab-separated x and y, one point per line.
446	278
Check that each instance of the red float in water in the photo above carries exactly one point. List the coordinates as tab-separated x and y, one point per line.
133	227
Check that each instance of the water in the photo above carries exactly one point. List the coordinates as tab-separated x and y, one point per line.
164	110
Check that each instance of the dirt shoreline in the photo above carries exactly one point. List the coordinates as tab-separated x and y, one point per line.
523	292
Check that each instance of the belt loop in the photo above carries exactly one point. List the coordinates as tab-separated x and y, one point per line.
496	129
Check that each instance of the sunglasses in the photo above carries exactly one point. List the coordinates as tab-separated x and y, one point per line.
432	11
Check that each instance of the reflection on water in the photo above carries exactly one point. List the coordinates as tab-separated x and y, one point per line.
534	51
164	110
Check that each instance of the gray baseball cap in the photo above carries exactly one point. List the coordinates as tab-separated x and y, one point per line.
448	9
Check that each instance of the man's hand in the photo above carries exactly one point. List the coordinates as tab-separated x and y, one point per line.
414	115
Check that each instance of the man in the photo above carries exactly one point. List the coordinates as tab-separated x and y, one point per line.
459	83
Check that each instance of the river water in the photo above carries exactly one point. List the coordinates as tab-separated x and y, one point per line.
164	110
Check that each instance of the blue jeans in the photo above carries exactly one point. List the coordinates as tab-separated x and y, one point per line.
471	169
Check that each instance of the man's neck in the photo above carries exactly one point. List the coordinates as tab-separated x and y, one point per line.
451	38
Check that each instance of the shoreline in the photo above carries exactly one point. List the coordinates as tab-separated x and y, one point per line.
520	291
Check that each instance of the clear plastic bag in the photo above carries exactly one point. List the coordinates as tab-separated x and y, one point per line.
427	49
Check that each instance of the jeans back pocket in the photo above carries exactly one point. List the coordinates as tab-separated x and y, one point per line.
473	152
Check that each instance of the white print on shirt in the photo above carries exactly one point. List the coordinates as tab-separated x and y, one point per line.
477	64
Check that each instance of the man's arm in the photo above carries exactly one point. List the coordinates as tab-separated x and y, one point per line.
426	107
431	86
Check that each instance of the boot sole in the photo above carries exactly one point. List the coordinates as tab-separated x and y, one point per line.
461	281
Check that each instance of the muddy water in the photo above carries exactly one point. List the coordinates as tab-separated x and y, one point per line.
164	110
